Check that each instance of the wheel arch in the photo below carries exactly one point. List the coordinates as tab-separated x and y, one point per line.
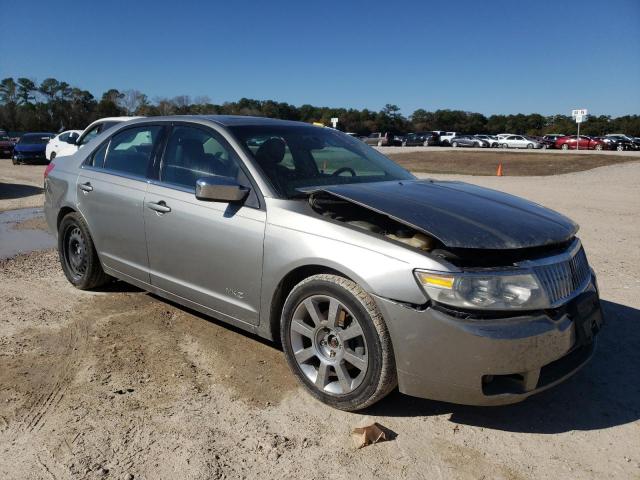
284	287
63	212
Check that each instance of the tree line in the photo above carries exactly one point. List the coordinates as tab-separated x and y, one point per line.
54	105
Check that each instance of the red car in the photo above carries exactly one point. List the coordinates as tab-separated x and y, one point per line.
585	143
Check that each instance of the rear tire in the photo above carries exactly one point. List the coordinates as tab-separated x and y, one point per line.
344	359
620	148
78	255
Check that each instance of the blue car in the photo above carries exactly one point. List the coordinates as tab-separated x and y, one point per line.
31	148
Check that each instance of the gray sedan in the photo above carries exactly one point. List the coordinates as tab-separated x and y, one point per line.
368	277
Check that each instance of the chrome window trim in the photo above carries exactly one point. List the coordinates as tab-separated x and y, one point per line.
115	173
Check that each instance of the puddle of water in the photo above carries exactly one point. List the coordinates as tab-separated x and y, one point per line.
14	240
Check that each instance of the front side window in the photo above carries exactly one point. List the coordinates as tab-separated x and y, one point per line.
63	136
193	153
130	150
301	156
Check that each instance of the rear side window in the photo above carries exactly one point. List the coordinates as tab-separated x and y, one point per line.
97	158
130	150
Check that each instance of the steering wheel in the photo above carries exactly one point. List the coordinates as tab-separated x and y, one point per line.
344	169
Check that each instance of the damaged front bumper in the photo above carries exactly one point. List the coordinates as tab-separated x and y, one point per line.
490	361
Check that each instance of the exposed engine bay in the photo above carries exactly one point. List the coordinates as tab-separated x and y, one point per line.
376	223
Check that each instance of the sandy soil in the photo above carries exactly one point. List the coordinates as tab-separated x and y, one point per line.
121	384
514	162
20	185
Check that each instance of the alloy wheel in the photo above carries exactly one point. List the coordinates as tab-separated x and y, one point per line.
329	345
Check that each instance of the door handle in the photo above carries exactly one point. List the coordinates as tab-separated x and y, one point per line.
86	187
160	207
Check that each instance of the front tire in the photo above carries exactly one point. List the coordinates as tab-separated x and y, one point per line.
529	145
565	146
598	147
336	343
454	144
78	255
504	145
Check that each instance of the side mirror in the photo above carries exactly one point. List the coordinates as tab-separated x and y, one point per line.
220	189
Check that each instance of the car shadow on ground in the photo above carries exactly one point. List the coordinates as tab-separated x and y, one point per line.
605	393
15	190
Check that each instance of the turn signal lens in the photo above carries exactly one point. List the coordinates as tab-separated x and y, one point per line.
435	280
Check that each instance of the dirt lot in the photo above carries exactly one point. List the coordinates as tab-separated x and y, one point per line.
121	384
515	163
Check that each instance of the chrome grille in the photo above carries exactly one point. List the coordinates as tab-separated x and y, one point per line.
561	280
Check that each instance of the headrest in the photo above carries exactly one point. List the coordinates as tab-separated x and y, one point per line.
271	152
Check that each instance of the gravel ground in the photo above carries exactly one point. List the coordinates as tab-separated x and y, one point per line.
121	384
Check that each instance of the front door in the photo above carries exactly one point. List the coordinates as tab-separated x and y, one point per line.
209	253
110	192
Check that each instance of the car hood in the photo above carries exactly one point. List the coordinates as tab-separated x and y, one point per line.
461	215
30	147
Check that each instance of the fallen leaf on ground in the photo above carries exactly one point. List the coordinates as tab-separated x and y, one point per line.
363	436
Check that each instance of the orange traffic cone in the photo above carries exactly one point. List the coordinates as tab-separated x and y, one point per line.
499	172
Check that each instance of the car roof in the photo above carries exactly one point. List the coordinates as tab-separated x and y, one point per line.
38	134
228	120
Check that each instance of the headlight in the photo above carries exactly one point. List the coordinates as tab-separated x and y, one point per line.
488	291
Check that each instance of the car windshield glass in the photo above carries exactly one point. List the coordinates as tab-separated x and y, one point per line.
294	157
34	139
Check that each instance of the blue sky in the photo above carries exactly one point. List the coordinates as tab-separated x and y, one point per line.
486	56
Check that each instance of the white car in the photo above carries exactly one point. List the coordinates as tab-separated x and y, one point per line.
445	137
60	141
88	133
518	141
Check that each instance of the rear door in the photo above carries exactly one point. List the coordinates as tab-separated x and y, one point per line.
111	188
209	253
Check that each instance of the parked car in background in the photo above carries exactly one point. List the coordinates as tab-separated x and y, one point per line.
60	141
31	148
379	139
493	141
445	137
421	139
72	145
635	142
6	146
368	277
549	140
468	141
571	142
614	142
519	141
